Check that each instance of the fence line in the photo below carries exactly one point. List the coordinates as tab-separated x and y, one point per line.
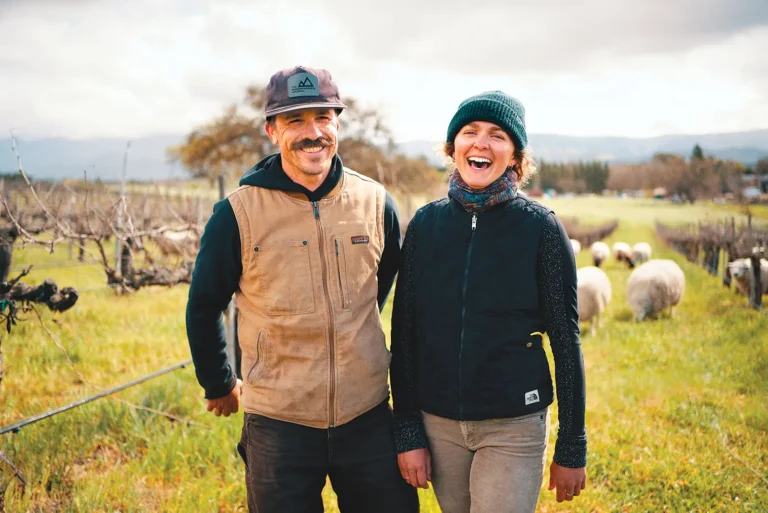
15	428
55	265
715	245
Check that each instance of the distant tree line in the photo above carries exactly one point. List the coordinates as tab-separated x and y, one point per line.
699	177
579	177
761	168
13	179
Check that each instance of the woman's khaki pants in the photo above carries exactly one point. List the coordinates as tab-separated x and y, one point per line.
488	466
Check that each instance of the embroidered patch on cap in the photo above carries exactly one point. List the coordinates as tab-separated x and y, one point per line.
360	239
302	84
531	397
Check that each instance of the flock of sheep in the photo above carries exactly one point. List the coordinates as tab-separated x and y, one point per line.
653	286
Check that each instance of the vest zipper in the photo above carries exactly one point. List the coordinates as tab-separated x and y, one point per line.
332	348
464	309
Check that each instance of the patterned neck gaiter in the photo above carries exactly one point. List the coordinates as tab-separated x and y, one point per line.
477	200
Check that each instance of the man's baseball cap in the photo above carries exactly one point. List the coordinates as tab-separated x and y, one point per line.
301	88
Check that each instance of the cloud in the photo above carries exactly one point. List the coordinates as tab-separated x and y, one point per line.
83	68
500	37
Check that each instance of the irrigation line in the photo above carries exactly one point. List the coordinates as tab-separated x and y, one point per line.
57	266
16	472
747	465
15	428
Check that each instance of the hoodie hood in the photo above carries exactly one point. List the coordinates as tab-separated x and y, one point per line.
268	173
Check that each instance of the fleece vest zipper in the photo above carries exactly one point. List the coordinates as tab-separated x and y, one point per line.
464	311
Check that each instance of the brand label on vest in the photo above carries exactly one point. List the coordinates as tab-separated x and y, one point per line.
531	397
360	239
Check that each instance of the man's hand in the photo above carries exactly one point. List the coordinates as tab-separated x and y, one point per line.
228	404
416	467
568	481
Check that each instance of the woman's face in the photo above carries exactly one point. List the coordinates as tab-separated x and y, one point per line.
483	151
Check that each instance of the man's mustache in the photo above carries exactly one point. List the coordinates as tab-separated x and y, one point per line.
323	142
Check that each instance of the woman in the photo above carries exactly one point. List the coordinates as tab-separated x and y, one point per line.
485	272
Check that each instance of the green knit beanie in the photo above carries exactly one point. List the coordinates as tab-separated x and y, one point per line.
494	107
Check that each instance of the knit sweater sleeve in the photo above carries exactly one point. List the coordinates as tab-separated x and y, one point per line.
557	283
215	278
408	426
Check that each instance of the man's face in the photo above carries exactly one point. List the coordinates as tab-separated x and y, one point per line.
307	139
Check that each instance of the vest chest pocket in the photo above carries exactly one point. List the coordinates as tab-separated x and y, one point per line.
284	278
341	272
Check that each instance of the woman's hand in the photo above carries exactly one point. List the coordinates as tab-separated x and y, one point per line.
568	481
416	467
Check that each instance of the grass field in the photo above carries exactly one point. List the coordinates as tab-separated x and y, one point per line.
677	409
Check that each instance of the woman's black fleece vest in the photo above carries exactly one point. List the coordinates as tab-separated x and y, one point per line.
478	314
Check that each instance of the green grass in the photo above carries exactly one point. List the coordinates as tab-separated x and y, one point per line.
666	399
647	211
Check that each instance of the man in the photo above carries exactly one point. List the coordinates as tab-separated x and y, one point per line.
311	250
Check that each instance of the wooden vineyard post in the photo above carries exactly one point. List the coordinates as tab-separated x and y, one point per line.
756	292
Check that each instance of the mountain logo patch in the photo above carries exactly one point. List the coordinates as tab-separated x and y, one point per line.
360	239
303	84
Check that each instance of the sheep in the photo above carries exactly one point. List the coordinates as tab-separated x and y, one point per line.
622	252
741	271
600	252
184	243
594	294
654	286
641	253
576	245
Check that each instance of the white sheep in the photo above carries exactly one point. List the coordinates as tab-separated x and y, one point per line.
654	286
641	252
184	243
622	252
576	245
741	271
600	252
594	294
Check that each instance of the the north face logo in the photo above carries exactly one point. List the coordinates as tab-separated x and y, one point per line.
302	84
531	397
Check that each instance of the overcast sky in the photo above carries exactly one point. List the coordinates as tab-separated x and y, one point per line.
89	68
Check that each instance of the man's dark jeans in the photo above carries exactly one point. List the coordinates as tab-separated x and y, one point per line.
287	464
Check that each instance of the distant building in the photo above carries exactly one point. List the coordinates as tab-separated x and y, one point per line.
751	193
758	181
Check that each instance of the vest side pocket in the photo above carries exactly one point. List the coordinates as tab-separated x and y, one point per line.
260	360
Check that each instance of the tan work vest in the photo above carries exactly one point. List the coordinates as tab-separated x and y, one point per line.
314	351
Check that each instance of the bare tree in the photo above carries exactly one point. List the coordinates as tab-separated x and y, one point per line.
236	140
